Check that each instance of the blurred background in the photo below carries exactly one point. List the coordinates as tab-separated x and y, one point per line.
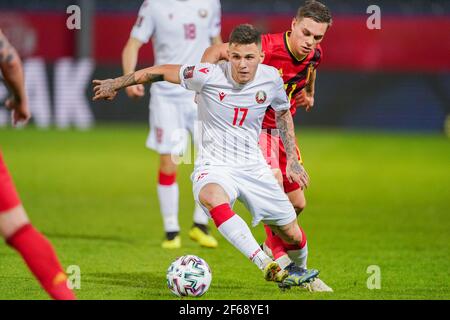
375	146
394	78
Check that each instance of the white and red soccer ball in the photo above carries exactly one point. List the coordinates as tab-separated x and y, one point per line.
189	276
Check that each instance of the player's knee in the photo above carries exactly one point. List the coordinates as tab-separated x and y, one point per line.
298	200
212	196
299	205
166	165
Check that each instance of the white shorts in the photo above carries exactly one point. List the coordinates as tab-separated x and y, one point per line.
172	119
256	188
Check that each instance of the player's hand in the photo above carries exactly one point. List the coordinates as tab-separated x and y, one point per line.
296	173
20	114
304	100
136	91
104	89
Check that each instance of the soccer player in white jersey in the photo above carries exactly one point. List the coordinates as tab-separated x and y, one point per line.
232	100
180	31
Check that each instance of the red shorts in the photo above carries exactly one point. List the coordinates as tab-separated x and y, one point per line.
273	150
9	198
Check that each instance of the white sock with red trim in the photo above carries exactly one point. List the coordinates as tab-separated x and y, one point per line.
200	216
237	232
300	255
168	195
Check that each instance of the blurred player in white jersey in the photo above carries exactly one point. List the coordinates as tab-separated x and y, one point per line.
233	99
180	31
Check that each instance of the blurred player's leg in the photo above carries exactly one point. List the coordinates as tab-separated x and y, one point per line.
199	231
34	248
171	121
168	196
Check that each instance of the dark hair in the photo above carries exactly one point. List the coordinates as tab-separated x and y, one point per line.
245	34
316	11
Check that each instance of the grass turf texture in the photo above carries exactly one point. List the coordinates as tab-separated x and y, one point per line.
375	199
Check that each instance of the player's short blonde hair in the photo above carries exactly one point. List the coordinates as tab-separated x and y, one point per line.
315	10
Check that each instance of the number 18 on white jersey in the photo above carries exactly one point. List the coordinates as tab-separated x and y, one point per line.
180	32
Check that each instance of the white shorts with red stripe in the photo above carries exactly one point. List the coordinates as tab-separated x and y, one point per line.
172	120
255	187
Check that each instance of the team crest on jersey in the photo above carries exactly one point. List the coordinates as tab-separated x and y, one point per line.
188	73
261	97
203	13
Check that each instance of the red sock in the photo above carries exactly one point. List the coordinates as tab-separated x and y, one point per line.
166	179
41	259
278	246
221	213
274	243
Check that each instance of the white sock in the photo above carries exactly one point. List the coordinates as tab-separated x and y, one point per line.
283	261
299	256
237	232
200	216
168	203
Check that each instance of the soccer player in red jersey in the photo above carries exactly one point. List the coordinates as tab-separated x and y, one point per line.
296	54
15	226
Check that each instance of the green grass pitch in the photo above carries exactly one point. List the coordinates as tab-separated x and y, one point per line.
375	199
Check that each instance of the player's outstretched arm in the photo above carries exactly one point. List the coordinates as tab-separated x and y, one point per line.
107	89
12	71
215	53
294	170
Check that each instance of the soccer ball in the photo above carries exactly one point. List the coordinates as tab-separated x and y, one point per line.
189	276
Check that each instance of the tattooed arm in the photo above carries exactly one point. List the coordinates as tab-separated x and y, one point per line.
294	170
107	89
12	71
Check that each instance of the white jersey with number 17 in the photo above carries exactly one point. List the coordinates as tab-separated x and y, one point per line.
230	115
180	30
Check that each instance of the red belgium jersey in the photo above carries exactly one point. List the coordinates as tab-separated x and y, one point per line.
295	73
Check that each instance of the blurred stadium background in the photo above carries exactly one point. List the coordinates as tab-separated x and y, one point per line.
396	78
375	145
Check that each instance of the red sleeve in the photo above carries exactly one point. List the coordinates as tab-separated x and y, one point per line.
319	53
